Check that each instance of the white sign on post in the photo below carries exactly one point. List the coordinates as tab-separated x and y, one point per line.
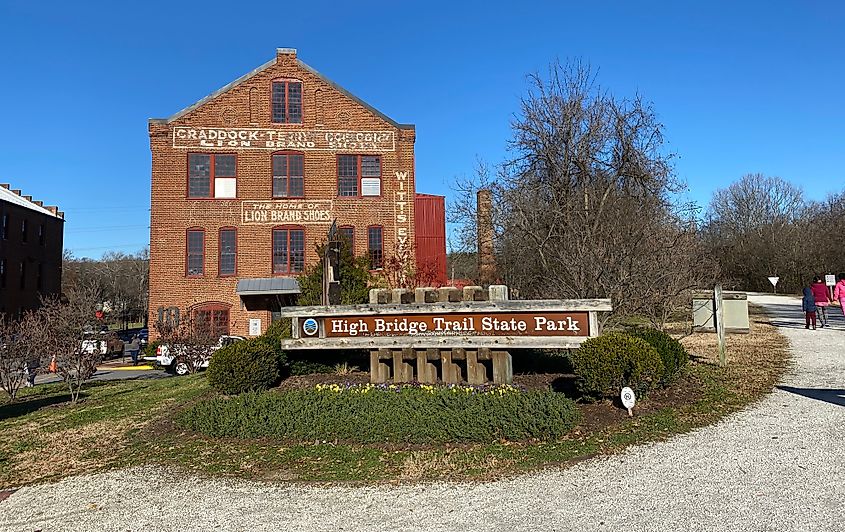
255	326
830	280
774	281
628	399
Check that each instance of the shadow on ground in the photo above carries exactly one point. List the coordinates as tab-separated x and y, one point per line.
836	397
26	406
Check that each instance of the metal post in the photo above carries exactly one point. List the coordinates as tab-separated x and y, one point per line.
719	318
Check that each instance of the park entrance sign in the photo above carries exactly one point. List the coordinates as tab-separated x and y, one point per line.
436	335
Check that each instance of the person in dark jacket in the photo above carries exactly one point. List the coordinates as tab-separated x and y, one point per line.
822	297
808	305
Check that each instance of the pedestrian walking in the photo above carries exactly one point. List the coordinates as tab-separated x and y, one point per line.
839	293
822	296
30	369
808	305
134	347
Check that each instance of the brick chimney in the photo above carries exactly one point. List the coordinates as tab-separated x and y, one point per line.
486	256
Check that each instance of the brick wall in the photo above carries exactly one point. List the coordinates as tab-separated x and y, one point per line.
248	105
32	253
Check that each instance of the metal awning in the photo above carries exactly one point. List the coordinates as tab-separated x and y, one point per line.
267	286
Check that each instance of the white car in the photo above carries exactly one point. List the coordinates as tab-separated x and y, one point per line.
169	362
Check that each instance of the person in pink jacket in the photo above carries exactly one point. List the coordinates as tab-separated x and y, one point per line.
839	292
822	295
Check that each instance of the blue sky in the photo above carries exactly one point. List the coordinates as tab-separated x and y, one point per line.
754	86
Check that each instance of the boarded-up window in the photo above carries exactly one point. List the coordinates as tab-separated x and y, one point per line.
201	168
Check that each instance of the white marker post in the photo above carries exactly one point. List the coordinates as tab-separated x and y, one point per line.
628	400
774	281
719	319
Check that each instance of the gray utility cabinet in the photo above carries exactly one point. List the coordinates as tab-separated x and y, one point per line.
736	311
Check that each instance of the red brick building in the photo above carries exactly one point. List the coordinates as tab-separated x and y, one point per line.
249	179
31	243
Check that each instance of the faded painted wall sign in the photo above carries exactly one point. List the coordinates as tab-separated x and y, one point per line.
279	139
457	324
277	212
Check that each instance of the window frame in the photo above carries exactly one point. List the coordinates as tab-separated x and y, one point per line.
24	230
287	82
220	251
211	175
42	235
369	250
3	272
6	222
23	275
287	228
352	240
212	307
188	231
273	173
359	165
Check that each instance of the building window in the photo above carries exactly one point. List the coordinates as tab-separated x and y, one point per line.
23	276
195	260
358	175
287	102
347	236
227	261
375	246
201	168
288	250
212	320
6	226
39	283
42	236
288	175
2	273
24	230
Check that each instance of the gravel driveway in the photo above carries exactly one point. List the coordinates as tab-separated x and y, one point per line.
778	466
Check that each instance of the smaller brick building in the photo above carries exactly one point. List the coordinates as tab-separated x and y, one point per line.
31	243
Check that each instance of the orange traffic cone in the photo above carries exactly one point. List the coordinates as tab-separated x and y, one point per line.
52	366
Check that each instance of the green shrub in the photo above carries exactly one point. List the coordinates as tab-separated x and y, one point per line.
150	349
604	365
399	414
307	367
674	356
244	366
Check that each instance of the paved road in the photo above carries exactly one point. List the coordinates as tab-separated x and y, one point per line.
778	466
109	372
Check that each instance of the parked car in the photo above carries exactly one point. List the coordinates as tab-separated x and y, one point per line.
171	363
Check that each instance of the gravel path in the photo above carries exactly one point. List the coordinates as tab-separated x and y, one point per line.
778	466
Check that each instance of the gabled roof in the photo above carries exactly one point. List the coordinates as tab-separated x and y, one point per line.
17	199
264	67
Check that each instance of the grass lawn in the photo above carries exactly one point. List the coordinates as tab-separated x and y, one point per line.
119	424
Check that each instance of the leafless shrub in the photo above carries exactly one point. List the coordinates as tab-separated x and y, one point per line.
20	350
65	325
191	341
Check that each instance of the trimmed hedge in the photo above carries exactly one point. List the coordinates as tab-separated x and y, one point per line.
674	356
604	365
399	414
244	366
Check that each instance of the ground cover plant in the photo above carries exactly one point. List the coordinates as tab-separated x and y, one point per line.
421	414
118	424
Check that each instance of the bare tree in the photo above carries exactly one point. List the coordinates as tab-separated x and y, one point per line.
65	325
585	207
20	350
758	227
191	342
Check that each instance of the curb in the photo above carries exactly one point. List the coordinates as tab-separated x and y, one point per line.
128	368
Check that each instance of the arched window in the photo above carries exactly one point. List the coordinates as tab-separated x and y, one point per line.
211	318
